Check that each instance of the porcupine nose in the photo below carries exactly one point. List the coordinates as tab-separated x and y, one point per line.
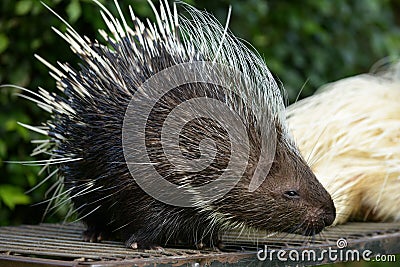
330	215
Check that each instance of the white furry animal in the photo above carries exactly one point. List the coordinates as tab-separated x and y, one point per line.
350	134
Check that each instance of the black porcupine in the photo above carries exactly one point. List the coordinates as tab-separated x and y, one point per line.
90	118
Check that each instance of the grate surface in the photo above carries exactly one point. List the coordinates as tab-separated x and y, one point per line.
61	245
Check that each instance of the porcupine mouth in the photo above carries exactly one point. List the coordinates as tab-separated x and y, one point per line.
311	231
315	225
307	229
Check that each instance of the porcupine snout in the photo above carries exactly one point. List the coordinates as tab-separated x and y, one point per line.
330	214
321	211
319	218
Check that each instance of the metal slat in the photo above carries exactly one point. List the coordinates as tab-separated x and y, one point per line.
61	245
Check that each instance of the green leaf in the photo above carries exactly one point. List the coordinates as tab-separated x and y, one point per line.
23	7
13	195
74	11
3	149
10	125
3	42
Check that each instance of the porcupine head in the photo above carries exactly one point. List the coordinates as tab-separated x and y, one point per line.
172	131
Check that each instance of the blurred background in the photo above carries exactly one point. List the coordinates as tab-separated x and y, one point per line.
305	43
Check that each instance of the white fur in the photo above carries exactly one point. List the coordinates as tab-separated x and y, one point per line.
350	133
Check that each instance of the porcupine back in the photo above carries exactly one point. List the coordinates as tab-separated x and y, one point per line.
87	122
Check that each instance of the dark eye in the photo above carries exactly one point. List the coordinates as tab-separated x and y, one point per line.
291	194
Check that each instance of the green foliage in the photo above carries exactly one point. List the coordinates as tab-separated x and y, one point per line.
309	43
305	43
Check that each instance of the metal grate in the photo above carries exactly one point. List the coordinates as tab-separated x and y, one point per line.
61	245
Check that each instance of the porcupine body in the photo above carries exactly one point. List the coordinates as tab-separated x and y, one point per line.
354	148
86	131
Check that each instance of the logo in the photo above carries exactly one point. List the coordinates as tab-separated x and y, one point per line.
315	255
341	243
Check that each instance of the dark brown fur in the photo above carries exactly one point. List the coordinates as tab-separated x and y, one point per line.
143	221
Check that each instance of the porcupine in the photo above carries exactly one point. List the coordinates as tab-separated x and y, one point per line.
354	148
86	136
